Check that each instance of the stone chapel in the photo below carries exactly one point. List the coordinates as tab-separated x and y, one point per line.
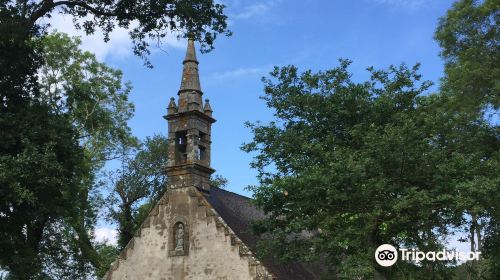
195	231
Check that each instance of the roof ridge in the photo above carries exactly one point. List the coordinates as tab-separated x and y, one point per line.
249	198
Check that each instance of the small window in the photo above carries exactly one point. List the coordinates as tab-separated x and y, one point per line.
181	146
202	153
203	136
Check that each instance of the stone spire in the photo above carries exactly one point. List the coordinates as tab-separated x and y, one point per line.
190	92
190	53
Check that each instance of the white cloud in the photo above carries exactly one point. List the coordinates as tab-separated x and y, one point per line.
118	47
409	4
107	235
254	9
240	72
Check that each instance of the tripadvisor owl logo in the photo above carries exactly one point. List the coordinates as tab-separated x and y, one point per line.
386	255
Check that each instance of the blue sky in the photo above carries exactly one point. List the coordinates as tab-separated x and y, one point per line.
309	34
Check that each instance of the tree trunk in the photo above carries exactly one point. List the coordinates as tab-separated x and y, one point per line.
372	243
27	264
126	225
472	237
479	227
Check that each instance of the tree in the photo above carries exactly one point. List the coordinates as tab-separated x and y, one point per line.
137	185
91	93
90	100
350	166
473	170
32	201
218	181
95	98
40	170
148	20
108	255
468	35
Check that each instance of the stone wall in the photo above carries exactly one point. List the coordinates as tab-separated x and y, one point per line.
211	250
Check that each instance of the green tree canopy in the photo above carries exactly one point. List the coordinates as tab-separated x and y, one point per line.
470	40
40	169
56	139
349	166
40	178
469	36
148	20
137	185
93	94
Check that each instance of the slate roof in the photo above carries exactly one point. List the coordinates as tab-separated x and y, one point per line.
238	212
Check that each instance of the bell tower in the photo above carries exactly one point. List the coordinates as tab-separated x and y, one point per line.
189	128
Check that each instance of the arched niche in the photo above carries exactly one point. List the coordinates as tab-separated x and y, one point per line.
179	237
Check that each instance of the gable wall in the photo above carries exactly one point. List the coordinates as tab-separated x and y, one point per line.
214	251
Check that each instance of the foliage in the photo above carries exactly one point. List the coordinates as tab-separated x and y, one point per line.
473	144
31	201
219	181
90	92
108	255
40	168
469	37
343	156
348	166
141	178
58	131
94	97
147	20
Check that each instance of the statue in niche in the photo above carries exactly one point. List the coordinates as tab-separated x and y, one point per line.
179	237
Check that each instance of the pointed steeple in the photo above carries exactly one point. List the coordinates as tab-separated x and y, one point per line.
191	52
190	77
190	92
